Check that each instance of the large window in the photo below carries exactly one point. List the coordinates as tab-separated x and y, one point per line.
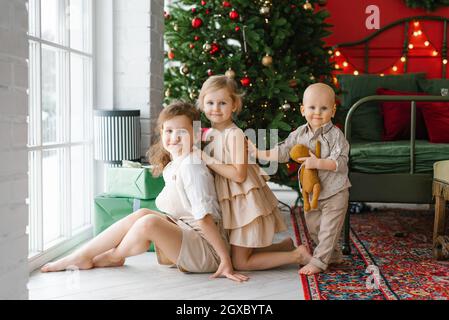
60	126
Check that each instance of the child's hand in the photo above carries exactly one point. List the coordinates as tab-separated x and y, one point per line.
310	162
252	148
225	269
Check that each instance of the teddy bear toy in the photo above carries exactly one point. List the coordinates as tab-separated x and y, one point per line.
308	178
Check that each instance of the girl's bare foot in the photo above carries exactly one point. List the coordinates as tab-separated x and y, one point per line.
303	255
310	269
72	260
107	259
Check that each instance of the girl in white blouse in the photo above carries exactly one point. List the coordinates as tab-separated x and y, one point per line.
190	234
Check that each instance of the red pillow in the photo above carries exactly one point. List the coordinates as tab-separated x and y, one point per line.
397	116
436	116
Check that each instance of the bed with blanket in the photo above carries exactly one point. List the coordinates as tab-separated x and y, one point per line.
397	126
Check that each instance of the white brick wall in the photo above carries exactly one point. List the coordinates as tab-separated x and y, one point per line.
13	150
156	69
129	62
138	60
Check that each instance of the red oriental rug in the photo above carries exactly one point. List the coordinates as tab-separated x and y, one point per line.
391	259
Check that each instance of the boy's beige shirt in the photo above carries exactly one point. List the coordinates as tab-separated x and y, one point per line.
334	146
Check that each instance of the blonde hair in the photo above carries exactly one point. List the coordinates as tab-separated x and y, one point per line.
218	82
157	155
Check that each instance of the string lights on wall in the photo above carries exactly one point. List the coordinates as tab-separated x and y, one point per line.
417	45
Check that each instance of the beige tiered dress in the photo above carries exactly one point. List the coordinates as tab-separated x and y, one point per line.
249	209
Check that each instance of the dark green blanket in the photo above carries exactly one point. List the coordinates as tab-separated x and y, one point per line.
394	156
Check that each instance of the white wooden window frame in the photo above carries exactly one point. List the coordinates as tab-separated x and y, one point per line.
40	253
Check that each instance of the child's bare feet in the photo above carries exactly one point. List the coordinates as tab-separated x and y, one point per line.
71	260
303	255
107	259
309	269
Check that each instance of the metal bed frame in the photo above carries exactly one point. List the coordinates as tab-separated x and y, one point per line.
408	187
398	187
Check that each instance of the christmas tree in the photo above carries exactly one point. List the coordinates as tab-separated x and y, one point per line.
273	49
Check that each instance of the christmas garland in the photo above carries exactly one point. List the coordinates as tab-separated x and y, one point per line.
429	5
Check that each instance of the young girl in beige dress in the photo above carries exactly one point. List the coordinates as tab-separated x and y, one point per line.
249	208
190	235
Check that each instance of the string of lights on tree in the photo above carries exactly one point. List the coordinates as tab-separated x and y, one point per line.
419	45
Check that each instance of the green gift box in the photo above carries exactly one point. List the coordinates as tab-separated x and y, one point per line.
136	183
109	209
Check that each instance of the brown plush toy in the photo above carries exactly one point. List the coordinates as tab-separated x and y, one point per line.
310	183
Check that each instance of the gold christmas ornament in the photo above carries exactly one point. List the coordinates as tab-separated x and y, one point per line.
176	28
267	60
184	69
264	10
308	6
230	73
167	93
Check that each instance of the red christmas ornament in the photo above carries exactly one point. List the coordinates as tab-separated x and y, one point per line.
191	46
166	15
214	48
234	15
207	11
237	28
293	6
203	3
245	81
197	22
171	55
193	10
226	4
210	72
196	38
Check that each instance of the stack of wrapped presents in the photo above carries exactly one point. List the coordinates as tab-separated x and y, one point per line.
127	189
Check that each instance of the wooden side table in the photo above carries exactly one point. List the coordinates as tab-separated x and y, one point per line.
441	194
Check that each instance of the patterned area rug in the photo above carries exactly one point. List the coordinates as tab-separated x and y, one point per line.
391	260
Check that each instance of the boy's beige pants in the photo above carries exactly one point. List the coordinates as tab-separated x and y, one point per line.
325	224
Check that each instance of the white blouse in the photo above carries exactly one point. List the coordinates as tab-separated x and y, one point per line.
189	190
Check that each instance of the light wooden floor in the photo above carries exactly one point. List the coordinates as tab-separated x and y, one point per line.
143	278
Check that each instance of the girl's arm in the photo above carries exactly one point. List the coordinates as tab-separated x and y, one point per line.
237	171
213	236
280	153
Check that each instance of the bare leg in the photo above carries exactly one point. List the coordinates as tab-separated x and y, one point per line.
108	239
105	260
152	228
246	259
285	245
